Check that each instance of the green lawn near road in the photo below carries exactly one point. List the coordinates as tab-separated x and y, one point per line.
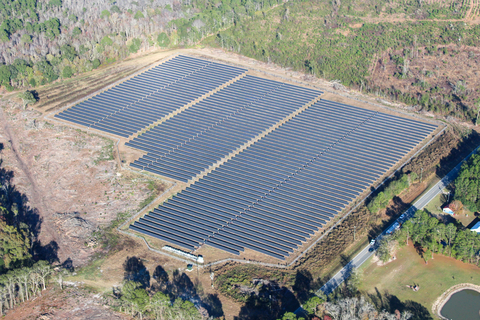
409	268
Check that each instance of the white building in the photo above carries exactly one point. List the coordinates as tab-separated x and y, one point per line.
476	227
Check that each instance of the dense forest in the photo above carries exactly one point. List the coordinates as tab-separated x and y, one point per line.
434	236
348	40
41	41
467	184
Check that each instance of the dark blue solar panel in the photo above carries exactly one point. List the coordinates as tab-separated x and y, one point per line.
138	102
277	193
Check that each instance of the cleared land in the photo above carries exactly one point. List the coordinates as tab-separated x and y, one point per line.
67	182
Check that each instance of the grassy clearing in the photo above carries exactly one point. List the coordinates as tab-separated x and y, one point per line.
154	191
409	268
107	151
435	205
465	217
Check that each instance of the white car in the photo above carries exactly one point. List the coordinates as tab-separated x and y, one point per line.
372	242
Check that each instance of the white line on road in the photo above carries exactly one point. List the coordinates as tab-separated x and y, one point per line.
365	254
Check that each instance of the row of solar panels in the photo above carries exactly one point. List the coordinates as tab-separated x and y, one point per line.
276	194
205	114
150	96
187	158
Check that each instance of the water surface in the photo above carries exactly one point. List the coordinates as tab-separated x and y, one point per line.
463	305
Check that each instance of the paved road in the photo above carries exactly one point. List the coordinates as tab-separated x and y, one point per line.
363	256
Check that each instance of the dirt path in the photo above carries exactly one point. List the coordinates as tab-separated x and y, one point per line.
470	17
469	12
47	233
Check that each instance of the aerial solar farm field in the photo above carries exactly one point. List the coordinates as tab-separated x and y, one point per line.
265	166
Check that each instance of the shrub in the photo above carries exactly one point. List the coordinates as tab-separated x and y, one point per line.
138	15
105	13
163	40
96	63
106	41
67	72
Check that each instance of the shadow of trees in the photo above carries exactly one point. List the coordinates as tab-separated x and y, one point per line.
463	148
161	279
272	300
303	285
18	213
176	285
390	303
397	206
419	249
135	270
270	303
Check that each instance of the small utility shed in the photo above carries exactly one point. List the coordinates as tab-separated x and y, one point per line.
476	227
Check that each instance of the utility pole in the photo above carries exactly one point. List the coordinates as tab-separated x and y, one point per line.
354	230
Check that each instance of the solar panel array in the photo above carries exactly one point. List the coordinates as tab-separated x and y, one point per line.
276	194
185	145
271	197
146	98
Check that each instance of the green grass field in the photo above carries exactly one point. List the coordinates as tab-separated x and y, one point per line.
409	268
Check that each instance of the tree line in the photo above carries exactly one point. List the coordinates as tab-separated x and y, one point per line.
21	276
393	188
435	237
135	300
467	184
22	284
40	43
162	295
348	305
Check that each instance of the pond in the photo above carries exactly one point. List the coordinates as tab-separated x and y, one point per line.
462	305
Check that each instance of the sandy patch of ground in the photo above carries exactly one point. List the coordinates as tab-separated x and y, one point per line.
448	70
70	178
71	303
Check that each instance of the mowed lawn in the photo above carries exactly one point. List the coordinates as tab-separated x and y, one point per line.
409	268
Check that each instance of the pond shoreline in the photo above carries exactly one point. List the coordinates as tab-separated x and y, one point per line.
440	302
